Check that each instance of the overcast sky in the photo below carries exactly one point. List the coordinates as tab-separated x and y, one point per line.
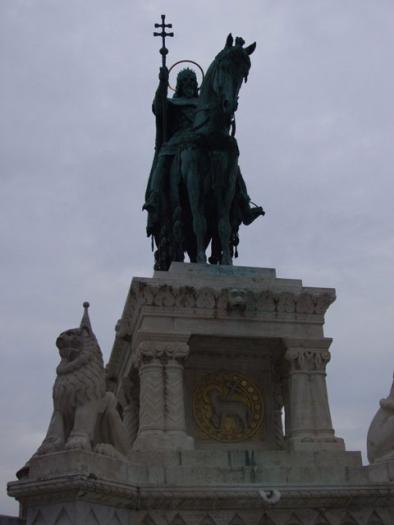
315	128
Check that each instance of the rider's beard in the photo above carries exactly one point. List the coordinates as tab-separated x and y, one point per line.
188	91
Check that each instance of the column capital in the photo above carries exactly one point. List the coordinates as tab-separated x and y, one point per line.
150	350
307	354
303	359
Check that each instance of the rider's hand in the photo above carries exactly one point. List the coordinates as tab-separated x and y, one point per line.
163	75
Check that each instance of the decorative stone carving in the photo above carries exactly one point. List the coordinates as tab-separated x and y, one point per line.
308	413
227	407
237	299
175	411
265	301
206	298
270	496
200	298
278	403
272	331
380	438
131	405
185	297
303	359
84	415
148	350
162	411
151	395
285	303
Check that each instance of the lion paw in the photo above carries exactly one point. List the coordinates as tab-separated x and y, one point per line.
79	442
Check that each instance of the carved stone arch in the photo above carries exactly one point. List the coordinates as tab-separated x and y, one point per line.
237	520
266	520
178	520
374	519
63	518
91	518
207	520
39	519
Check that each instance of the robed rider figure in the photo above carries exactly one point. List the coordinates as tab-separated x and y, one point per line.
167	221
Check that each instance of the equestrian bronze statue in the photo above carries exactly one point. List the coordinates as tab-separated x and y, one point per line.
196	194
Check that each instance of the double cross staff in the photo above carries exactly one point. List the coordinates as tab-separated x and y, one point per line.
163	34
163	52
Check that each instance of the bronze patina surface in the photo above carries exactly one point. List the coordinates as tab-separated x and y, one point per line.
196	194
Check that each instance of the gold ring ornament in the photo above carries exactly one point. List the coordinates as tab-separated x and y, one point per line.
227	407
188	62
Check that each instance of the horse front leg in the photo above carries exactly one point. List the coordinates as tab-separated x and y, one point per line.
199	228
194	185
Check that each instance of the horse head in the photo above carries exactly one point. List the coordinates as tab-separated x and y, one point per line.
229	69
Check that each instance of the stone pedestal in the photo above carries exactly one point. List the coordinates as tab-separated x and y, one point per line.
206	361
201	337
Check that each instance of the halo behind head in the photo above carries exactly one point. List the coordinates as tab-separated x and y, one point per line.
200	69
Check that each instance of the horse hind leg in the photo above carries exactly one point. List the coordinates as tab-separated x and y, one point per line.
224	228
200	228
223	202
224	231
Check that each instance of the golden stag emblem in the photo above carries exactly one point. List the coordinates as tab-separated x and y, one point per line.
227	407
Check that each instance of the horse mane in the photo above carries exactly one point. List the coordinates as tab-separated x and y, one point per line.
206	84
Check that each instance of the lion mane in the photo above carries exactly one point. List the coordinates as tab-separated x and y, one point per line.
85	416
81	379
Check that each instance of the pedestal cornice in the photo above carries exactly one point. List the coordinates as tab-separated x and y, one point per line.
251	299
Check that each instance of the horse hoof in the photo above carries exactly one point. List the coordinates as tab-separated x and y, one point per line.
201	259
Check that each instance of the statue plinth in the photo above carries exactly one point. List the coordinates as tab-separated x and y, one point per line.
222	350
220	375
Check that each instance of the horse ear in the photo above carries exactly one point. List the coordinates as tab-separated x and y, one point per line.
250	48
230	40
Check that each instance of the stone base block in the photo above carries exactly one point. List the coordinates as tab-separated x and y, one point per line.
86	501
316	444
381	472
230	487
156	440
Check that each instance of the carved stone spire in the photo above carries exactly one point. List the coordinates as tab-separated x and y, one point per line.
85	321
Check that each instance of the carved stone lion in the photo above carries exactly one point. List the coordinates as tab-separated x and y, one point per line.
84	415
380	439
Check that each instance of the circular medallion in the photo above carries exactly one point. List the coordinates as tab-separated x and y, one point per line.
227	407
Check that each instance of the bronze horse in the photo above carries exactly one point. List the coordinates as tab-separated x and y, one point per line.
207	166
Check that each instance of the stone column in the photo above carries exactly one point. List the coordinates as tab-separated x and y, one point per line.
162	412
151	420
309	425
175	424
130	390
